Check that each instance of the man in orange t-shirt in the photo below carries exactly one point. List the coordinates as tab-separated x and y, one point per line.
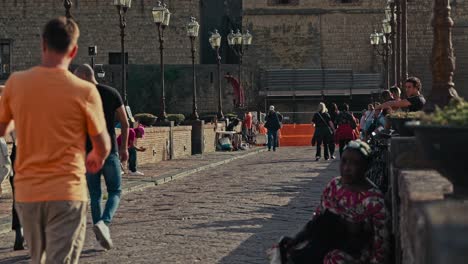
53	112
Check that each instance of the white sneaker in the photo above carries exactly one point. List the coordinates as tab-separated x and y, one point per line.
101	230
136	173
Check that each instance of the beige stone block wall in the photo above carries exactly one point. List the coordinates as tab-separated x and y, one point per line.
210	138
182	141
22	21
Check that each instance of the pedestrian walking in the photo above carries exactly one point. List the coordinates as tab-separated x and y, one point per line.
133	135
324	130
113	106
347	124
53	111
15	222
273	124
334	112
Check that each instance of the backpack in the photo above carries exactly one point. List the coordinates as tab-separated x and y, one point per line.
5	162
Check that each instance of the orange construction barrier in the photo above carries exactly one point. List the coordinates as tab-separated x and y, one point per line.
296	134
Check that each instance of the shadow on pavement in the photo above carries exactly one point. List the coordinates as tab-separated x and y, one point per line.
285	220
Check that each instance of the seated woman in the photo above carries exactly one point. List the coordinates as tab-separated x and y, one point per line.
349	225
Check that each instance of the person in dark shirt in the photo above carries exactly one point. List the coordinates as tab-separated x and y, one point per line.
324	130
414	102
113	106
273	124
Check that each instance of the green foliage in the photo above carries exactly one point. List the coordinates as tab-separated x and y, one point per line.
231	115
177	118
454	114
145	119
407	115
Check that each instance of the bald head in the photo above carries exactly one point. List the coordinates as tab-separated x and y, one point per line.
86	73
2	87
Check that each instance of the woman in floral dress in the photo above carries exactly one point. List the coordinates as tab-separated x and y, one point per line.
356	201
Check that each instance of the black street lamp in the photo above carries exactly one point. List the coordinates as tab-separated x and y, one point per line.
161	17
381	44
122	7
192	32
239	43
390	14
67	4
215	42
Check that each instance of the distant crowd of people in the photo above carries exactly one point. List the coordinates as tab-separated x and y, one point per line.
339	125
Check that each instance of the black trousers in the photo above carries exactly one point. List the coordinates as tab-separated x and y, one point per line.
328	146
15	222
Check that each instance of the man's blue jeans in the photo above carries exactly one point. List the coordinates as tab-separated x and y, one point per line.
113	178
272	139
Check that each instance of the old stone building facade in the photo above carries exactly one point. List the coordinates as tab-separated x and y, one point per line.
324	36
334	34
21	23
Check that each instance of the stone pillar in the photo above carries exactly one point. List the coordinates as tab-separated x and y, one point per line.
442	227
198	136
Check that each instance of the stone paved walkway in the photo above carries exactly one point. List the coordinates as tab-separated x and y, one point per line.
155	174
229	214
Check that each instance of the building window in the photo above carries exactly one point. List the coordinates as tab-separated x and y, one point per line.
5	58
116	58
283	2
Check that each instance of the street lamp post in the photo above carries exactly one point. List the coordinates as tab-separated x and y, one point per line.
390	15
381	44
67	4
161	17
443	59
192	32
404	38
239	43
122	7
215	42
398	42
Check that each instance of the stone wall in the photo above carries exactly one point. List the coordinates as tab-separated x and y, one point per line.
22	22
182	141
164	143
210	138
430	224
329	34
144	90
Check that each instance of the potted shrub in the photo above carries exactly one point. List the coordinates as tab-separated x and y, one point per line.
442	136
146	119
177	118
399	119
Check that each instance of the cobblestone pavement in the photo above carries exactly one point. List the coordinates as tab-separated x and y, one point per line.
229	215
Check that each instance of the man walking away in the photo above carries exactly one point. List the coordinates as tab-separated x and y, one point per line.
113	106
273	124
53	111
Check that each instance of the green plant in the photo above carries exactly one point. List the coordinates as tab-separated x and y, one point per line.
145	119
454	114
177	118
407	115
231	115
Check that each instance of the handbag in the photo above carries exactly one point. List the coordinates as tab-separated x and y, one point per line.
329	129
279	122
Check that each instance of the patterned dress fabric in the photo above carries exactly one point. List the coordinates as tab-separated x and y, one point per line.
357	207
